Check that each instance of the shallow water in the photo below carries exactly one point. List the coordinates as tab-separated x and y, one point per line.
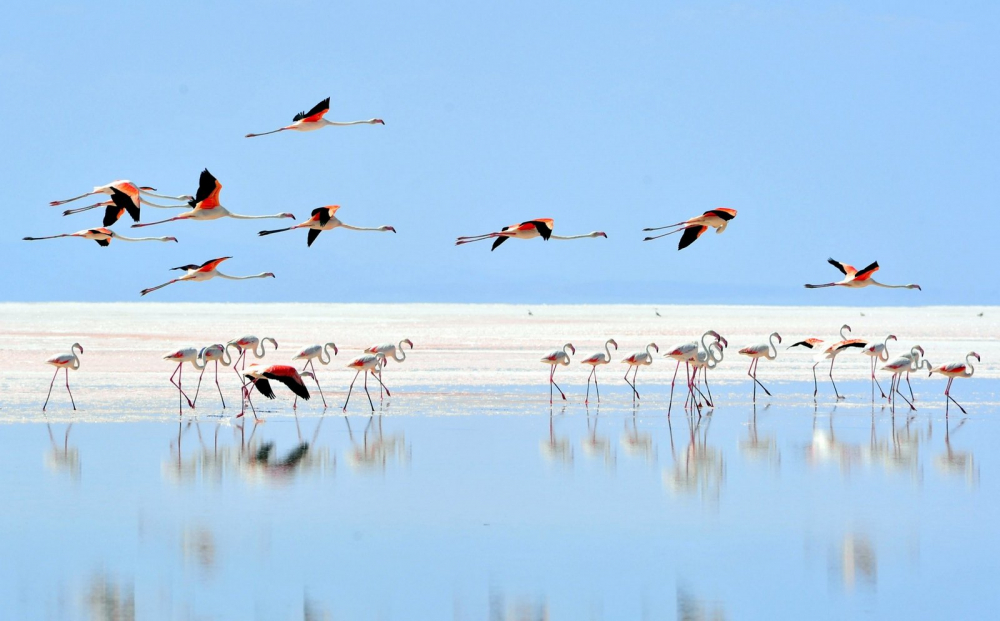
467	497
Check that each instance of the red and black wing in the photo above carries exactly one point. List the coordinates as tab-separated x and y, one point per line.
690	234
498	241
207	184
722	212
263	386
319	109
837	264
311	236
103	242
542	227
322	214
111	214
295	386
124	201
866	273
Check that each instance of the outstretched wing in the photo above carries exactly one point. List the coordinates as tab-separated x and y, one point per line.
103	242
691	233
186	268
311	236
544	227
847	270
297	387
498	241
315	114
722	212
322	214
124	201
867	272
208	191
208	266
263	386
111	214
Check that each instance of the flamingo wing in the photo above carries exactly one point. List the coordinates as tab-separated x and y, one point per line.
867	272
810	343
847	270
311	236
315	114
322	214
722	212
691	233
263	387
542	225
124	202
208	191
499	240
111	214
103	242
289	377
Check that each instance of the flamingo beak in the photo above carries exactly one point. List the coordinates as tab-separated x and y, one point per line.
389	228
380	121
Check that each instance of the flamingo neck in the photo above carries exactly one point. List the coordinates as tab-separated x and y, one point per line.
771	345
969	369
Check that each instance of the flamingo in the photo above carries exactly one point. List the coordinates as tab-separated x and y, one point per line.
634	361
369	363
389	349
103	237
312	120
255	346
953	370
540	227
904	364
324	219
755	353
830	353
188	354
64	362
916	353
258	376
600	358
878	352
122	202
311	353
686	353
694	227
126	187
706	361
203	272
213	353
857	279
206	206
559	356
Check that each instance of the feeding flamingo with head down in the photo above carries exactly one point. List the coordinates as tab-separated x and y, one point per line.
203	272
324	219
595	360
389	349
217	353
694	227
558	357
878	352
313	120
904	364
257	376
530	229
755	353
64	362
858	279
206	206
830	353
687	353
188	354
953	370
367	363
705	361
642	358
255	346
311	353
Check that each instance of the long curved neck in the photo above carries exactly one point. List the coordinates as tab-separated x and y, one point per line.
884	286
843	336
242	217
649	347
714	350
771	345
884	356
173	198
705	345
142	239
969	369
399	349
194	363
345	123
325	350
569	236
228	277
152	204
360	228
76	361
607	348
227	360
567	348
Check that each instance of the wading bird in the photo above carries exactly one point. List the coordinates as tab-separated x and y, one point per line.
542	227
203	272
878	352
255	346
64	362
103	237
312	120
188	354
559	356
687	353
205	205
213	353
369	363
324	219
857	279
258	377
755	353
389	350
642	358
126	187
830	353
600	358
694	227
311	353
916	353
903	364
705	361
953	370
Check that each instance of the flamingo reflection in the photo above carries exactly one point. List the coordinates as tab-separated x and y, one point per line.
702	471
63	458
957	463
556	449
597	445
376	449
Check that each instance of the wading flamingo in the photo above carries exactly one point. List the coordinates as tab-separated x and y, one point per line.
311	353
705	361
687	353
213	353
916	353
953	370
203	272
324	219
857	279
64	362
389	349
255	346
600	358
205	205
755	353
188	354
694	227
878	352
103	237
258	377
559	356
642	358
830	353
904	364
312	120
369	363
541	227
126	187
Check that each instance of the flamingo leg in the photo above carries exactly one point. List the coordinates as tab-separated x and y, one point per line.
875	383
552	370
750	375
908	402
51	384
757	363
631	385
71	392
947	393
835	391
670	403
246	396
368	393
552	379
910	386
349	392
198	389
634	375
318	387
218	386
382	386
586	399
710	400
596	386
815	382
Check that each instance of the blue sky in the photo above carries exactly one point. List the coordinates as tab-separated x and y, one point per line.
861	131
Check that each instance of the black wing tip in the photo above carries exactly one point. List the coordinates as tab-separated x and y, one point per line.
498	241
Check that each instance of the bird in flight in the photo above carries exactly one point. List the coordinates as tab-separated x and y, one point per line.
541	227
103	237
324	219
312	120
694	227
203	272
857	279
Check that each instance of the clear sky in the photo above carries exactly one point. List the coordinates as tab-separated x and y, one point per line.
857	130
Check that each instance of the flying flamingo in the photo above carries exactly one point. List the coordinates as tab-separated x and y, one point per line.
634	361
755	353
903	364
205	205
878	352
258	376
203	272
389	349
64	362
541	227
694	227
312	120
213	353
600	358
830	353
311	353
953	370
255	346
686	353
131	190
559	356
369	363
122	202
324	219
103	237
188	354
857	279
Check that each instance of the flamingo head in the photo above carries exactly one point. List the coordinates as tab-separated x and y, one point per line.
656	347
408	342
287	215
387	228
920	349
307	374
173	239
778	336
377	122
599	234
891	337
613	342
271	274
976	356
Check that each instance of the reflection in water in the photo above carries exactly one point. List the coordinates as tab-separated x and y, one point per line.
826	448
957	463
691	608
595	445
702	469
507	608
858	561
198	546
757	448
63	458
376	449
107	600
556	449
637	443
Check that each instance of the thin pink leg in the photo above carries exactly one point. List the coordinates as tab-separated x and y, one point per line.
51	384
